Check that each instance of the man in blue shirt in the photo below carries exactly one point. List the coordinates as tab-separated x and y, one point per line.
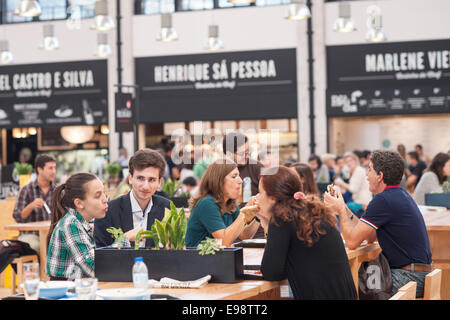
393	219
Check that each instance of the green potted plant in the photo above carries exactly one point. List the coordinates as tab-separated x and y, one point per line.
113	170
172	187
170	257
24	171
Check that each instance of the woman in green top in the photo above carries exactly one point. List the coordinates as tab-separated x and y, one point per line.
71	245
215	212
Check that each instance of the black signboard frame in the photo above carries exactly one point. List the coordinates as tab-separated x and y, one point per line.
388	78
54	94
244	85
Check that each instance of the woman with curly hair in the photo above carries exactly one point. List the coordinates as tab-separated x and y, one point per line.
303	243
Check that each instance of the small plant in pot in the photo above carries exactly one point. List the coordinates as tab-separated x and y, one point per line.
173	189
23	170
113	170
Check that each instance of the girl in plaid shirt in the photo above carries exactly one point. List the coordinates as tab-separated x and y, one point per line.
70	242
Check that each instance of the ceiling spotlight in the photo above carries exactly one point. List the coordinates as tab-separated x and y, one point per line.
50	42
298	10
102	21
345	22
376	32
28	8
103	48
167	33
6	57
214	42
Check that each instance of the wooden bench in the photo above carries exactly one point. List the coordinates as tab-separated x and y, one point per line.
432	290
407	292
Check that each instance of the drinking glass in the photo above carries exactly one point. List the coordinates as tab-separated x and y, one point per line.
86	288
31	280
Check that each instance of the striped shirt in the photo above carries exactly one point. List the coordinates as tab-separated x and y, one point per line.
28	194
72	248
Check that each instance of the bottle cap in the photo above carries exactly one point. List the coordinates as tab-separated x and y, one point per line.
138	259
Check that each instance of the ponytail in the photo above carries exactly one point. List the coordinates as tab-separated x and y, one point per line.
57	211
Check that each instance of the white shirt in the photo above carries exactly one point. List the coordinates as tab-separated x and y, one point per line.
359	186
139	218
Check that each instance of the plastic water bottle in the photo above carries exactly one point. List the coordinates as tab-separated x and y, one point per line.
140	273
247	190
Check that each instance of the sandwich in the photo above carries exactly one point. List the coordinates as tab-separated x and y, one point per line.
331	190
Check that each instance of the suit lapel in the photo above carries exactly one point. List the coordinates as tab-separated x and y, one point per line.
126	215
157	212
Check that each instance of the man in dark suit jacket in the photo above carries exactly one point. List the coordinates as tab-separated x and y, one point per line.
138	209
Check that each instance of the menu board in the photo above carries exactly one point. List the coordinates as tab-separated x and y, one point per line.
54	94
388	78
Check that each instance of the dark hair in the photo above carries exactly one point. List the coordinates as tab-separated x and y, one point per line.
365	153
307	215
42	159
358	153
419	146
390	163
317	158
190	181
437	165
414	154
309	185
145	158
65	195
232	141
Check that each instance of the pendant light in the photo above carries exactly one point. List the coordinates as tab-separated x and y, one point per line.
50	42
102	21
77	134
344	22
376	32
298	10
6	57
103	48
241	1
214	42
167	33
28	8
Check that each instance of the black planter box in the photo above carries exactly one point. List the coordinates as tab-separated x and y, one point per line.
180	202
438	199
114	265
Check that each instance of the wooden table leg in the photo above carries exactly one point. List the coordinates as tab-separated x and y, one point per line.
43	253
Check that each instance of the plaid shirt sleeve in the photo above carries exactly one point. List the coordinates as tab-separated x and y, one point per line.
80	247
22	202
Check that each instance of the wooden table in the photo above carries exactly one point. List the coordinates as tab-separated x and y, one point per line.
438	227
249	289
42	227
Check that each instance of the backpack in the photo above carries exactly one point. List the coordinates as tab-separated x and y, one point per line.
11	249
